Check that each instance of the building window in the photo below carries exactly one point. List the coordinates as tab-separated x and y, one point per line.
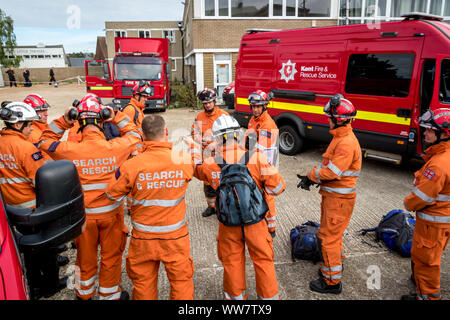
120	33
314	8
173	64
382	74
47	56
249	8
33	56
26	56
210	8
436	7
169	34
40	56
55	56
290	8
145	34
277	8
404	6
223	8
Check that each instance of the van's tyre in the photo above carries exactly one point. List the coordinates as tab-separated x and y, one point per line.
290	141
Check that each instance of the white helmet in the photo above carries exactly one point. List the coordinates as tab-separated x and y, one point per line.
18	111
224	124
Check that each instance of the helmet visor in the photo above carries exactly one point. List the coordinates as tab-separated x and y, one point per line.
426	120
256	99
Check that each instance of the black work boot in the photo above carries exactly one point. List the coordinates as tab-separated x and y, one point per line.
61	261
61	248
321	286
62	284
411	296
124	295
208	212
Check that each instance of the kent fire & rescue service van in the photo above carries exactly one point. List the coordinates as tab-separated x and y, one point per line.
136	59
390	71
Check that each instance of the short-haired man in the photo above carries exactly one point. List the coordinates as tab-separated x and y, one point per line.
156	181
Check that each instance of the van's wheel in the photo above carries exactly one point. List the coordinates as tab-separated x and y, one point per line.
290	141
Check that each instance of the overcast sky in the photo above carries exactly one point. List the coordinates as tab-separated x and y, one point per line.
77	23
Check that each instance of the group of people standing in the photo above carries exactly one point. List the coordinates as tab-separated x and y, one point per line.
141	170
26	76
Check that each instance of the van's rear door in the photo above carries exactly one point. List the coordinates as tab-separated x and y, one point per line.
381	81
98	78
441	92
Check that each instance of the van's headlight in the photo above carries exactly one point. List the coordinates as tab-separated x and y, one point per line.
116	101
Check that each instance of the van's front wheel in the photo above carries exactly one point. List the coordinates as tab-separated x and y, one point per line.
290	141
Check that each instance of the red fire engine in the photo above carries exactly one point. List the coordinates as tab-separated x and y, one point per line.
390	71
136	59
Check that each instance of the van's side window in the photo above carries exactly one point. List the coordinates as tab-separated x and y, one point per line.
444	85
427	84
380	74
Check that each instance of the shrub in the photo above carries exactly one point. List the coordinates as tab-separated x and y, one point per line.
183	96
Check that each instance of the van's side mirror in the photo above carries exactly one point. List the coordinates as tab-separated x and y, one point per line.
59	216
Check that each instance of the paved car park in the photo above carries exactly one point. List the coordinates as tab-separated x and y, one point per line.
371	271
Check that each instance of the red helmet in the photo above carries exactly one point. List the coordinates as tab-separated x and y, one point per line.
438	119
340	108
259	98
143	88
37	102
89	108
206	95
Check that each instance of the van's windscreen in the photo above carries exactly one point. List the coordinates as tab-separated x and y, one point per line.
380	74
444	85
137	68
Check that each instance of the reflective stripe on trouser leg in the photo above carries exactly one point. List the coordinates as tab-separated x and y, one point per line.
210	195
335	217
429	242
112	235
86	261
231	252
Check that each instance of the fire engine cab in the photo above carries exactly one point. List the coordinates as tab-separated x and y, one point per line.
136	59
390	71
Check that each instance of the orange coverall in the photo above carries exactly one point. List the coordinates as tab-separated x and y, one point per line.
337	176
202	135
157	180
131	113
267	135
35	137
19	161
430	198
230	244
96	160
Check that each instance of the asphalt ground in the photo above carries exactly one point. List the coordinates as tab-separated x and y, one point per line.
372	272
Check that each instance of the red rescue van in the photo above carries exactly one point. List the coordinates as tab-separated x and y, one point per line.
136	59
390	71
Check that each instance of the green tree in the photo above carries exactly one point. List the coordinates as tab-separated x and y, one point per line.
7	41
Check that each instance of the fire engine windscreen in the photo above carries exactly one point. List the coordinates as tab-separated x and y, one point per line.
137	68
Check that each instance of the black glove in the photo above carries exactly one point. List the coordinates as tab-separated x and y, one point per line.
305	182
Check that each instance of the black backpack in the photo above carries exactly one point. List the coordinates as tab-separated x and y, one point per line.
396	230
239	202
305	243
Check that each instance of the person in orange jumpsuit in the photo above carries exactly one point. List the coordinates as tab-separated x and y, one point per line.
337	177
19	162
96	160
430	199
231	242
201	133
156	180
263	132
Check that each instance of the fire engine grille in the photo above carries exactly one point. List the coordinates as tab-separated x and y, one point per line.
126	91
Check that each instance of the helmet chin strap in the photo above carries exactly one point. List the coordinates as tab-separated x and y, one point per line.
210	111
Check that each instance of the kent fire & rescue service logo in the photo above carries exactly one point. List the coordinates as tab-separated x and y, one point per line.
288	71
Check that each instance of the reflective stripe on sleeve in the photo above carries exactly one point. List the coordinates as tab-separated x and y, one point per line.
276	190
443	197
422	195
339	173
55	128
123	123
173	227
24	205
132	133
114	199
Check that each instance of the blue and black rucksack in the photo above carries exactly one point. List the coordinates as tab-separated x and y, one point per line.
239	202
396	230
305	243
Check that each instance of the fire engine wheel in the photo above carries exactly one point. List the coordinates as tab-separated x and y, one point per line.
290	140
